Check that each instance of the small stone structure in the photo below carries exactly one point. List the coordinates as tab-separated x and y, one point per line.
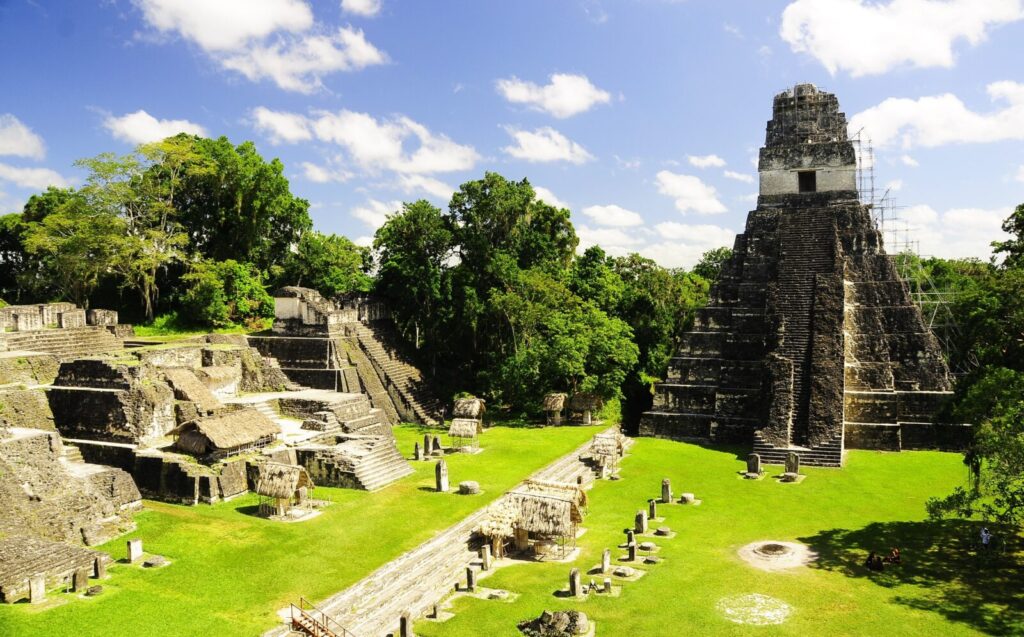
58	328
810	339
29	566
754	469
640	523
441	476
575	586
666	491
557	624
134	551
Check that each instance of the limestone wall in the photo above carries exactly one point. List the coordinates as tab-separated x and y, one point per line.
41	495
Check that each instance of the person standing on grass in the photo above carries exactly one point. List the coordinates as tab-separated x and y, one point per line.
986	537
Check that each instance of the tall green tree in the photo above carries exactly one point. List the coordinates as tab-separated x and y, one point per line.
413	249
329	263
238	205
76	245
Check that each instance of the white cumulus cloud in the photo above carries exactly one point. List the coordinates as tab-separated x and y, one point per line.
705	161
869	38
324	174
380	144
374	213
745	178
281	127
277	40
35	178
690	193
564	96
225	25
955	233
1020	173
909	161
365	8
140	127
681	245
411	184
545	145
548	197
299	64
18	140
612	215
944	119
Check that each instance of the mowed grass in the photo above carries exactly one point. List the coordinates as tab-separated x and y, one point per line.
231	571
875	502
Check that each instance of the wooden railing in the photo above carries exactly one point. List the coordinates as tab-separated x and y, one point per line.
309	619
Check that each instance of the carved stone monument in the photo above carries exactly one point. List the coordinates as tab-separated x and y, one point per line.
441	476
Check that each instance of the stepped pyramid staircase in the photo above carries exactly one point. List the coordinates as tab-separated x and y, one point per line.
65	343
396	374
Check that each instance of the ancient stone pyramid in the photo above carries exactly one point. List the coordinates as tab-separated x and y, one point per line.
810	340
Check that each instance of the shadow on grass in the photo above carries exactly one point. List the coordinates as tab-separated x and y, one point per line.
983	590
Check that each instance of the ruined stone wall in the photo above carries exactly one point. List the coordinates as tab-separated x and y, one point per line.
41	496
29	408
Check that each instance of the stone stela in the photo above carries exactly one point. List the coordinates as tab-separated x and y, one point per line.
441	476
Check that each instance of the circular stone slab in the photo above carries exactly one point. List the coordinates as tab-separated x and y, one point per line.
771	555
623	571
754	609
469	487
663	530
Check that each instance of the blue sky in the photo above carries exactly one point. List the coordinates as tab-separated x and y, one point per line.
642	116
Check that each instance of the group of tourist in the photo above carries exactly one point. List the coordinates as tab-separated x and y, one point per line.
876	562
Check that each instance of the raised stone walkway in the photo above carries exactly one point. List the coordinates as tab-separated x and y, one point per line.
425	575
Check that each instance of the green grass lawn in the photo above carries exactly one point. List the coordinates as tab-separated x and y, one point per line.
875	502
231	571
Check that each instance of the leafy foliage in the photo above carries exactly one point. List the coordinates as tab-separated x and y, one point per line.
329	263
223	293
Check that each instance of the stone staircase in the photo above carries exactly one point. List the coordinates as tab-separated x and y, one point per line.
398	374
829	454
72	454
416	580
371	382
64	343
382	465
805	253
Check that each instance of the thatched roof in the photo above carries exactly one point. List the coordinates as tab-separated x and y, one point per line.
228	430
605	445
465	428
281	480
585	401
554	402
548	508
500	520
469	408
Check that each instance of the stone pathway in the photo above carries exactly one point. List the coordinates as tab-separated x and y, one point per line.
422	577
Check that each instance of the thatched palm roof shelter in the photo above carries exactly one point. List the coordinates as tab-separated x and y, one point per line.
585	403
282	481
553	405
469	408
281	485
548	510
464	432
226	434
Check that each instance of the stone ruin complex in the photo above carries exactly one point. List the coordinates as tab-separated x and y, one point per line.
810	341
343	346
88	425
